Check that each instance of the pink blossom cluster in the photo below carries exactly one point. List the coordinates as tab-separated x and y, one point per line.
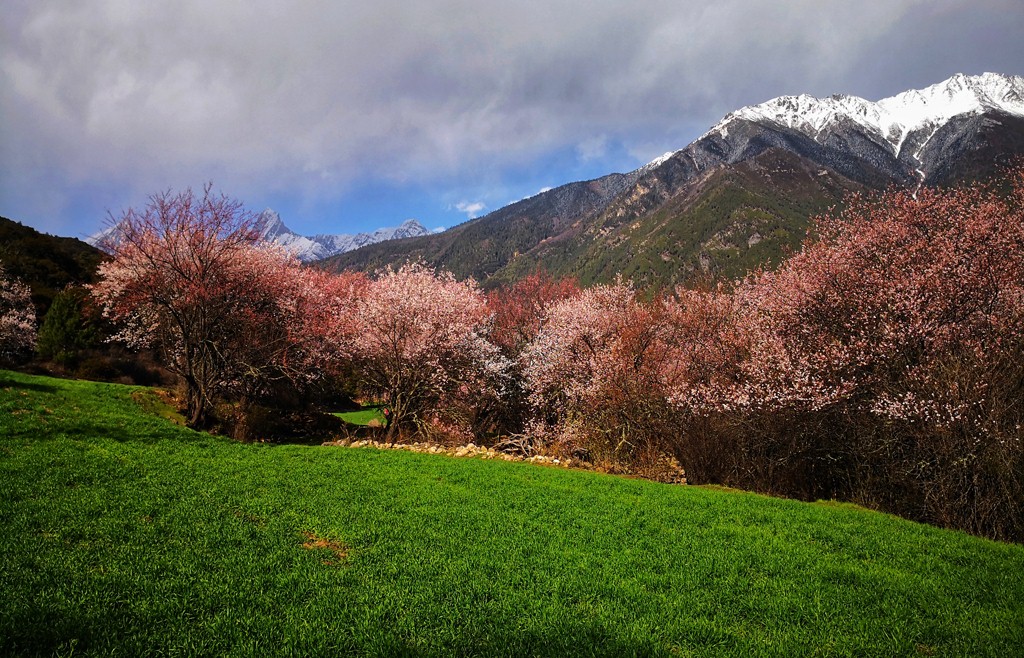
188	278
905	308
600	369
237	319
896	307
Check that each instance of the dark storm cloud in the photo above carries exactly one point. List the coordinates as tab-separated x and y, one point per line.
934	41
314	97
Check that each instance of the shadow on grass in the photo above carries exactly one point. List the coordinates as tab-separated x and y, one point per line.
343	432
26	386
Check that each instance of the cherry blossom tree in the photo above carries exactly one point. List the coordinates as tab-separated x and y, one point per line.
17	318
328	323
600	371
271	334
519	311
887	292
420	343
187	278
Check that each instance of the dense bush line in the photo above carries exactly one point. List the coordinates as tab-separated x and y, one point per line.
881	364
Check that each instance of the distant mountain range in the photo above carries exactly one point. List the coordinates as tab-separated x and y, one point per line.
318	247
271	228
739	196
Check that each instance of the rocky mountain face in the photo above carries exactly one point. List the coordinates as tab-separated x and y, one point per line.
912	135
739	196
481	247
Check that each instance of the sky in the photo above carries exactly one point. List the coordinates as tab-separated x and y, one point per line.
348	116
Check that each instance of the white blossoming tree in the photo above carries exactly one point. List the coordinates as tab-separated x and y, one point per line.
420	343
17	318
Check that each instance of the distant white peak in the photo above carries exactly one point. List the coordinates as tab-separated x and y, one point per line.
268	216
269	226
892	118
958	95
271	229
99	238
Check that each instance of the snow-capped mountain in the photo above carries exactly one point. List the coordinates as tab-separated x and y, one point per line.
105	236
905	123
317	247
271	228
894	118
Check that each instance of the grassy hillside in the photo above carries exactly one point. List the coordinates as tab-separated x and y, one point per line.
124	534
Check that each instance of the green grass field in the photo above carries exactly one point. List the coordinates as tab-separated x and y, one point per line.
363	416
124	534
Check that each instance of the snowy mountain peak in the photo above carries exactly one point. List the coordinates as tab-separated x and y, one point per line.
269	225
409	228
316	247
894	118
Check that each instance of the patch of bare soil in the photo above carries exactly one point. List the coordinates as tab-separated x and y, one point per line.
337	549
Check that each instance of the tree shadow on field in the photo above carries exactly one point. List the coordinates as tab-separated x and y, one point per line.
26	386
278	426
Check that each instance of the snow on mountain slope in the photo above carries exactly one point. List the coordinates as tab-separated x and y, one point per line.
892	119
657	162
272	229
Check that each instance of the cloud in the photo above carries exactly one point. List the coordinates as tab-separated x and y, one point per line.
471	209
315	98
592	148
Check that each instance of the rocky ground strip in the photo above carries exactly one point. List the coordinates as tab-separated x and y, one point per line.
666	470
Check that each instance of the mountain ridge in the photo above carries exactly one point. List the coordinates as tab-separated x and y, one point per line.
46	263
906	122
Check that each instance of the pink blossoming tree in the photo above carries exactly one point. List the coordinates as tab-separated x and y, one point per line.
889	351
600	371
420	345
519	312
187	278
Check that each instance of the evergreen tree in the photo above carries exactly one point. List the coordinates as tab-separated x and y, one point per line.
65	330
